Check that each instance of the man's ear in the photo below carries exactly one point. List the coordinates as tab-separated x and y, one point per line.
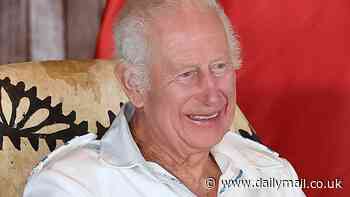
127	80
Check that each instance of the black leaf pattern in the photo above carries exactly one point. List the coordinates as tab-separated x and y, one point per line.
14	130
101	130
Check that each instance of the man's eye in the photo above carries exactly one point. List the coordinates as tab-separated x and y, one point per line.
187	75
219	69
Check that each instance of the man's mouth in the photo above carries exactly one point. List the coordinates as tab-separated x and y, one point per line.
203	117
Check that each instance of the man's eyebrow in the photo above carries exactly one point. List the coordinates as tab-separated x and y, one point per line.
182	67
170	77
220	59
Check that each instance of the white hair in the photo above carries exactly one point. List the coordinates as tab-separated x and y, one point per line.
132	41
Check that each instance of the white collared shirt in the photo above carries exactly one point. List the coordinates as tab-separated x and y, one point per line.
114	166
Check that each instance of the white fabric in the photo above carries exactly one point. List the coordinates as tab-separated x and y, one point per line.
114	166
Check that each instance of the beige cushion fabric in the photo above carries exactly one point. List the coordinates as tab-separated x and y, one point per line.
87	87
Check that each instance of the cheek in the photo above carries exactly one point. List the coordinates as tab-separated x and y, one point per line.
227	85
165	107
228	88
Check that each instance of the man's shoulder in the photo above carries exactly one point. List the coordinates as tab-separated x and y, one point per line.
245	143
249	153
68	157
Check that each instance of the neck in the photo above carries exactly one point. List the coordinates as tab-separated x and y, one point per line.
191	167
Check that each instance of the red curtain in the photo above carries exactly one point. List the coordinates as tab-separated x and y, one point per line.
104	45
294	85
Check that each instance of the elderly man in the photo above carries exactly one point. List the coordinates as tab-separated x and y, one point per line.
177	66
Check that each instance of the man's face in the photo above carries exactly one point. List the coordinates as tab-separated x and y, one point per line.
191	100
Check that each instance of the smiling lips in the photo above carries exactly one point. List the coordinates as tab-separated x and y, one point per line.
203	117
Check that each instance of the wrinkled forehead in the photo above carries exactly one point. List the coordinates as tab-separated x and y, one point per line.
186	26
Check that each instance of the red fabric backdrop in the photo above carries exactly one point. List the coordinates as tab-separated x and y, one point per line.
294	85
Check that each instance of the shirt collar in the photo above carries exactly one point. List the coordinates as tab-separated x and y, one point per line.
117	145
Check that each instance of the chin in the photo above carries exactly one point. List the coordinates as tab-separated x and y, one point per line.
206	133
204	138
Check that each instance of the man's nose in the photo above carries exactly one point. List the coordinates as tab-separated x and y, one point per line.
210	91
